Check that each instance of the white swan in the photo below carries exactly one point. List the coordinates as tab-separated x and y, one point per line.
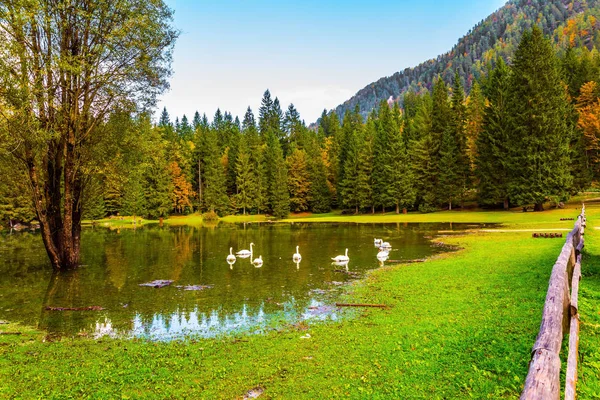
343	258
245	253
297	257
386	245
377	242
258	262
231	256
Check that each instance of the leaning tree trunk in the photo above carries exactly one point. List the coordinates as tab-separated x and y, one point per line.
397	208
60	219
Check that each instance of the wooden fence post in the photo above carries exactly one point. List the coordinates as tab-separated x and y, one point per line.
559	316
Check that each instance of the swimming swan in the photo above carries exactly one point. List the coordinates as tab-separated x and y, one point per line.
245	253
231	256
297	257
341	258
258	262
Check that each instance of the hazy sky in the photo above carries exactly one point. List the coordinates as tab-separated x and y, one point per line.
315	54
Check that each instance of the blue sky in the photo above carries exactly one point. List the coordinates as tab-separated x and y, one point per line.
315	54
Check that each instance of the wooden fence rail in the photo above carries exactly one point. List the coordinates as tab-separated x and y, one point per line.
559	317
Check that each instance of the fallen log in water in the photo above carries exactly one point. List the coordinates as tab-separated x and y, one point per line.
195	287
91	308
157	284
10	333
361	305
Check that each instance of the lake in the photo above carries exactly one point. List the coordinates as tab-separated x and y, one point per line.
236	298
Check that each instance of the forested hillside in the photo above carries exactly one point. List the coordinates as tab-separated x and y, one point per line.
567	22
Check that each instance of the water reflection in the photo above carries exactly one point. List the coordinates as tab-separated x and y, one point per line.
180	325
238	298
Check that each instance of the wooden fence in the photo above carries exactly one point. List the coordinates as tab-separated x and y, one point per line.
560	316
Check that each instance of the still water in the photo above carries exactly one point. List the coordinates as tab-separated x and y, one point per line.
240	297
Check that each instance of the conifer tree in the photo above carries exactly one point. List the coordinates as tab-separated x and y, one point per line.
401	189
450	179
185	129
196	122
164	120
455	168
333	144
320	194
426	170
262	183
298	180
214	191
539	164
293	127
364	180
352	129
280	197
492	164
353	138
257	159
158	190
265	113
427	152
382	156
245	178
475	113
134	203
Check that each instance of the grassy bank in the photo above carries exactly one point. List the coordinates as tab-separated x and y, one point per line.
548	219
459	326
589	304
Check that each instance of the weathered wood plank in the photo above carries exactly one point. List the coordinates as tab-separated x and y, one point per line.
574	310
560	315
543	381
571	375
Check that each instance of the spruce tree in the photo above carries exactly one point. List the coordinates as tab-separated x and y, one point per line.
245	178
475	113
134	203
257	153
382	156
353	138
280	197
539	139
214	191
450	179
333	144
320	194
493	143
298	180
364	181
455	174
401	187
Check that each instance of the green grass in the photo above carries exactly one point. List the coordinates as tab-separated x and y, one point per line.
459	326
589	309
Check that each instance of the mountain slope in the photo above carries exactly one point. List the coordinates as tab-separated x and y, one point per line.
497	35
